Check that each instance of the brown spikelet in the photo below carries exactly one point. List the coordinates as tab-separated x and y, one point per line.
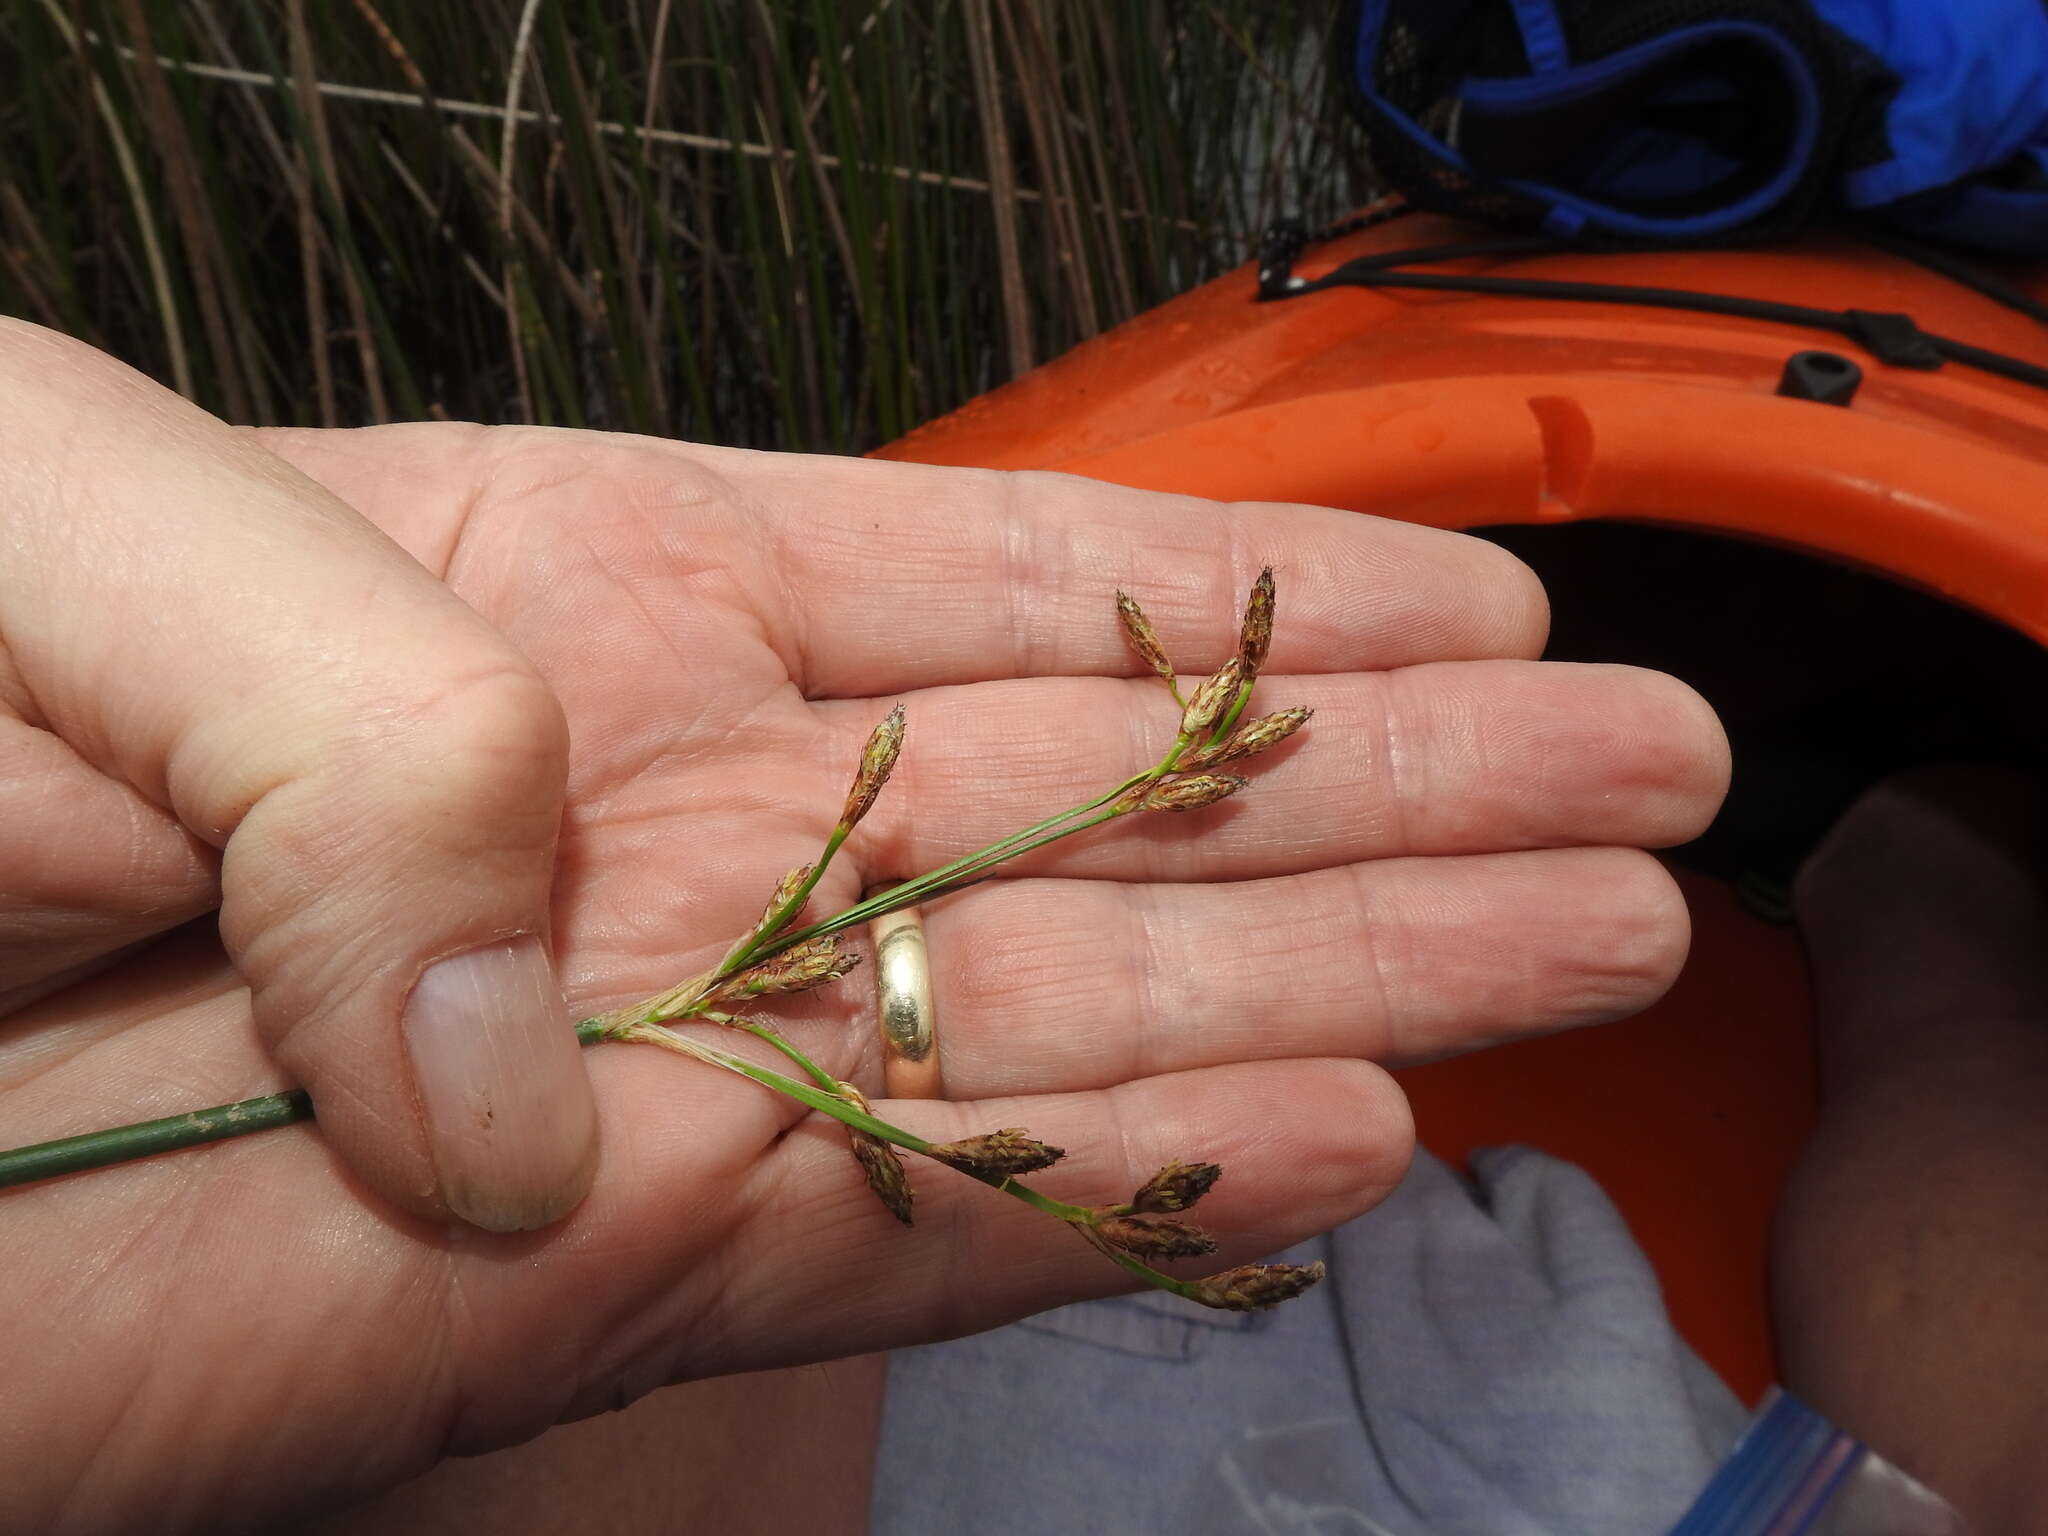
1256	637
785	889
1175	1187
1255	1287
1193	792
1216	694
998	1154
1144	640
877	758
1154	1239
810	964
1133	799
880	1162
1251	738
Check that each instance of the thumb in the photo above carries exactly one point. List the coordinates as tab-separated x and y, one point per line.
382	771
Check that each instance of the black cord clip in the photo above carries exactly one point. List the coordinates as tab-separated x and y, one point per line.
1893	339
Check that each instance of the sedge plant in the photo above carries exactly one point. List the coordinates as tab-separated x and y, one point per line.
781	954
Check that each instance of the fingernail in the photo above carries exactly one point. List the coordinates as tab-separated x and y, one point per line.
509	1114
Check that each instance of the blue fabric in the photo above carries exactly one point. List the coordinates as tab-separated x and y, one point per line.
1487	1358
1988	216
1974	87
1542	35
1966	125
1678	168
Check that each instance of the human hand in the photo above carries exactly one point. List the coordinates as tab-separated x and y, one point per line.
205	650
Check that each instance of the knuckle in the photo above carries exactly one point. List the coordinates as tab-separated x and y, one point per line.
448	802
491	738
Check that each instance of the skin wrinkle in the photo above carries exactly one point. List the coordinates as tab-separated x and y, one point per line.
36	644
1118	1134
457	1317
431	541
628	590
881	570
1021	554
767	1192
734	790
25	1061
14	694
1142	959
189	790
358	964
404	1456
1237	560
774	553
1378	1012
78	1490
677	917
340	1092
527	464
396	729
799	1186
227	1397
705	585
1396	589
1395	771
75	1100
456	533
681	743
482	1349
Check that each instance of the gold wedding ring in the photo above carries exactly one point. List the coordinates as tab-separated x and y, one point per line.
903	995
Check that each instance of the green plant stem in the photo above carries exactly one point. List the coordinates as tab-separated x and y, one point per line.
119	1144
1229	721
774	1037
960	872
96	1149
828	1102
742	954
1149	1275
99	1149
174	1133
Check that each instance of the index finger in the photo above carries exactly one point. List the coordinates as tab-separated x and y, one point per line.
871	577
898	576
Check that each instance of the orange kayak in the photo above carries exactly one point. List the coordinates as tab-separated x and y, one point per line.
1469	409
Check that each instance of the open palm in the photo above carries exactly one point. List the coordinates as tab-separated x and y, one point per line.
1446	857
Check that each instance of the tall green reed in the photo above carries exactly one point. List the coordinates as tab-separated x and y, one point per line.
777	223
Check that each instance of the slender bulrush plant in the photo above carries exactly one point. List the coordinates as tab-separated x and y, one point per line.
781	954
